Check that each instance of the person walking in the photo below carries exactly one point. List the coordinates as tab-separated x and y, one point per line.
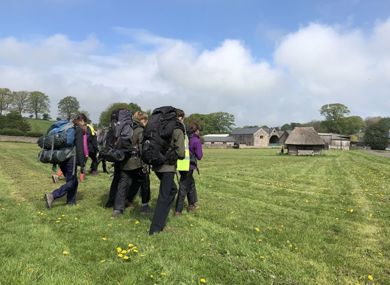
187	187
69	167
166	172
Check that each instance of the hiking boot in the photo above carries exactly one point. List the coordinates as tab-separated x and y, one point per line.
49	199
145	209
177	214
192	208
54	177
117	213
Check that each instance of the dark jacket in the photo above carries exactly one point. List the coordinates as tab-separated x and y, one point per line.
92	141
135	161
177	143
79	143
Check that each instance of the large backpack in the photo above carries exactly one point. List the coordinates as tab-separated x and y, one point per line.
59	135
156	144
117	142
58	144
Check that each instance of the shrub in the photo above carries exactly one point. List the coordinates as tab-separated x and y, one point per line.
12	132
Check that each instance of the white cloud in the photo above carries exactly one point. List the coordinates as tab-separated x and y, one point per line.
315	65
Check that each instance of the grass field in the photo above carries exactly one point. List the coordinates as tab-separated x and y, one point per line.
263	219
39	126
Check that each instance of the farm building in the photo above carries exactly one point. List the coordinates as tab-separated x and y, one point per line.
304	141
218	141
336	141
259	137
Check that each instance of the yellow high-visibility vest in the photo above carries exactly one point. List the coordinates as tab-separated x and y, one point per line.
184	164
91	128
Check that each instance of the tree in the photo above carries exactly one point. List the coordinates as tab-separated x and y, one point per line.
216	123
133	107
14	121
5	99
334	115
352	125
286	127
334	112
38	103
68	107
19	101
377	135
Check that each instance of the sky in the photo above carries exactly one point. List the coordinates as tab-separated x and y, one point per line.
266	62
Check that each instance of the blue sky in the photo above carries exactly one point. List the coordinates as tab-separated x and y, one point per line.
150	44
257	23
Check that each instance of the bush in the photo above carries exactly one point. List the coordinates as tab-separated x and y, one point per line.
12	132
377	135
34	134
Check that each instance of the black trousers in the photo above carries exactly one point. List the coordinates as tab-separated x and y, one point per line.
114	186
187	189
94	163
142	183
166	196
128	180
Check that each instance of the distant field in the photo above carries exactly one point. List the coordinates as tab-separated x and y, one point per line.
39	126
263	219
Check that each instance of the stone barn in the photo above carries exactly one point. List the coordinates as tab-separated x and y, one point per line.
336	141
304	141
256	137
218	141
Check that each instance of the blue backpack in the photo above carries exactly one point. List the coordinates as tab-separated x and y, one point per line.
60	135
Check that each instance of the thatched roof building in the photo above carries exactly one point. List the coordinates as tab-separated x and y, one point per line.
304	141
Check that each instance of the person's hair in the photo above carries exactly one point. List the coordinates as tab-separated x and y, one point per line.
180	113
140	116
80	117
193	127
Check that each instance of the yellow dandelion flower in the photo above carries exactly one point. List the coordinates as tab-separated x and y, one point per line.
135	250
257	229
202	280
124	251
65	252
120	255
131	245
370	277
126	257
136	222
118	249
104	238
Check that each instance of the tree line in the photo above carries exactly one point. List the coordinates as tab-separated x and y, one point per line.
374	131
36	103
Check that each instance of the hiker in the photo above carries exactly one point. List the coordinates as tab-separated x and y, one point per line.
69	167
117	149
100	137
163	145
187	183
130	169
92	148
142	184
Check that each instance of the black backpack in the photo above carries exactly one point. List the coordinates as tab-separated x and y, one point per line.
156	147
117	141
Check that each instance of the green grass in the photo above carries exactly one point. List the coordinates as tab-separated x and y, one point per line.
302	208
39	126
